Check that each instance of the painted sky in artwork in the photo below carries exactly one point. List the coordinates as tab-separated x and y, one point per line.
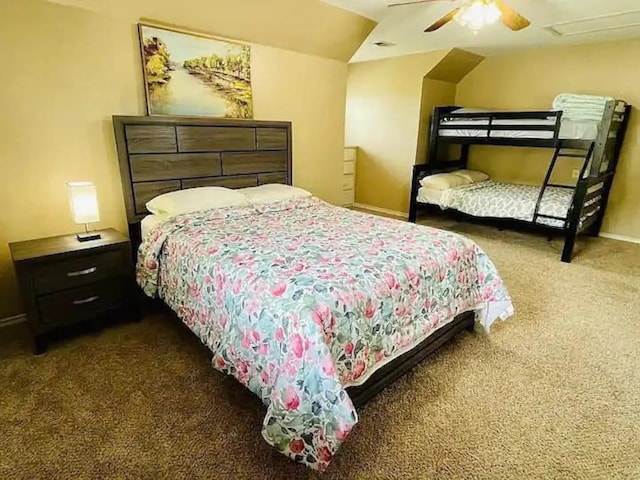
183	46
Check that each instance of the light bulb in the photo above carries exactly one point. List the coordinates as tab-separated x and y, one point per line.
478	14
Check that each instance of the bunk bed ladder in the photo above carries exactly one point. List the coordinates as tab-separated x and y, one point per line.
547	179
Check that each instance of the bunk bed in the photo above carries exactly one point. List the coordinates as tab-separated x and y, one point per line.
553	209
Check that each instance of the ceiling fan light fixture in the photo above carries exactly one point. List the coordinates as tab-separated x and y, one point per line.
478	14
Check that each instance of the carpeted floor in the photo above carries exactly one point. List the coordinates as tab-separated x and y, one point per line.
552	393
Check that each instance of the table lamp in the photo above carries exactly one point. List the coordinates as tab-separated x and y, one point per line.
84	206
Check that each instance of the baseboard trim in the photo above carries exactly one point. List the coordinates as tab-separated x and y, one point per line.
386	211
622	238
405	216
10	321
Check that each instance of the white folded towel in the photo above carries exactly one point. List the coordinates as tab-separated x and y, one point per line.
581	107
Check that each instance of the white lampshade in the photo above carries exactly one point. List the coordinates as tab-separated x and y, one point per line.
84	202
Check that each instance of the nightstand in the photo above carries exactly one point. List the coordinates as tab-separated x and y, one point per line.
65	282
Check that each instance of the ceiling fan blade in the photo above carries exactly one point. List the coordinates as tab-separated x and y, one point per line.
511	18
414	2
443	21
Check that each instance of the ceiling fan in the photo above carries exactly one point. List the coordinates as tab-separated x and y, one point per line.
475	14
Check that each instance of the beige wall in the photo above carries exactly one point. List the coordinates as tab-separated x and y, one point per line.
383	114
435	93
530	80
65	71
389	103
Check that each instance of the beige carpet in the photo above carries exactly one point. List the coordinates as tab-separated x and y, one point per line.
552	393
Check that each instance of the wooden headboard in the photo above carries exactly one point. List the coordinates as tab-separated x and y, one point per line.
163	154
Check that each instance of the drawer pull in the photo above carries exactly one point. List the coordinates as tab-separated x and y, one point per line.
79	273
86	300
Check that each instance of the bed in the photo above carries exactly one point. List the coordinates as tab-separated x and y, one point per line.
312	307
587	128
505	200
568	121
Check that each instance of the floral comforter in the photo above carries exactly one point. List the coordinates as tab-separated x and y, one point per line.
299	300
509	200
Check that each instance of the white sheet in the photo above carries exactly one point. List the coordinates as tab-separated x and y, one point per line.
430	195
148	222
569	129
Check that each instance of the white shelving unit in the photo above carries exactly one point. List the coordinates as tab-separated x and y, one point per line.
349	176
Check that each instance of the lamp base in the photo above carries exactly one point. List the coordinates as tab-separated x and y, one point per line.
87	237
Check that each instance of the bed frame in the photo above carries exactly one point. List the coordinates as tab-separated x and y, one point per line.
164	154
590	193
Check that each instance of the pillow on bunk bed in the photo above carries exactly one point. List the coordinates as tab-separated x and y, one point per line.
444	181
472	175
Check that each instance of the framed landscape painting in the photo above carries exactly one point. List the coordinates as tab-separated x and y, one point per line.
186	74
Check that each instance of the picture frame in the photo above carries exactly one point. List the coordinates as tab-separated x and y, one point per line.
193	74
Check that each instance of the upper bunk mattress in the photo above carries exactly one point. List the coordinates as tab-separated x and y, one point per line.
569	129
506	200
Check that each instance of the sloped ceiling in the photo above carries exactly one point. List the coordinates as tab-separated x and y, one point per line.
306	26
455	65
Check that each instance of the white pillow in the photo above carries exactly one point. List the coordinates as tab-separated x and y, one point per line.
472	175
272	193
193	199
443	181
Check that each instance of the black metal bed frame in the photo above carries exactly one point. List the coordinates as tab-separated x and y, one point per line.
591	191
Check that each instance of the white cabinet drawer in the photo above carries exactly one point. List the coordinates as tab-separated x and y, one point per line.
348	197
350	154
349	168
348	182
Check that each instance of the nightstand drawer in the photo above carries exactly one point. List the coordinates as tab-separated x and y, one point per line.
82	303
54	276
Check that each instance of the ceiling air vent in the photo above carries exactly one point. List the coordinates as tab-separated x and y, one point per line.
603	23
384	44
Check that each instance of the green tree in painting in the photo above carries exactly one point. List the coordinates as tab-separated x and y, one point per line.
238	66
231	77
157	62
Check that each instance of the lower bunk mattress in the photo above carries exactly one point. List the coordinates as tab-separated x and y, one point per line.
503	200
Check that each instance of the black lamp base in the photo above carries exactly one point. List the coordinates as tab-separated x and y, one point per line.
87	237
